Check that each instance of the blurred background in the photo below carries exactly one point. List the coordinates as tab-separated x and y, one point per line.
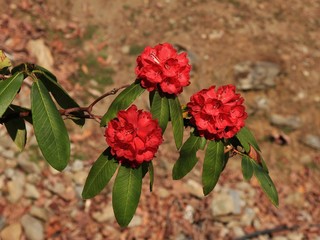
269	49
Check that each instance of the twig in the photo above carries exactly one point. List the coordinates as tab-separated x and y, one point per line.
68	111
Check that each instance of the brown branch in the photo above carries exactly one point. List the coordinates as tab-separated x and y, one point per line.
68	112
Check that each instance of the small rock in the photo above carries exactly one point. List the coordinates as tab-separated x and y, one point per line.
293	122
38	212
279	238
28	166
32	227
256	75
105	215
11	232
31	191
226	203
295	236
77	166
188	213
136	221
248	217
9	154
194	188
125	49
80	177
238	231
42	53
15	188
162	192
312	141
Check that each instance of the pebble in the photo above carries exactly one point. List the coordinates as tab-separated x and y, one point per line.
80	177
104	215
11	232
293	122
38	212
312	141
255	75
188	213
31	191
226	203
194	188
77	166
248	217
16	187
32	227
136	221
162	192
28	166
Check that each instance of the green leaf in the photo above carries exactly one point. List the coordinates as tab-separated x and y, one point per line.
122	101
246	139
160	110
49	129
17	131
8	90
126	194
176	120
100	174
59	94
188	158
46	72
266	183
151	174
247	168
214	162
4	61
15	109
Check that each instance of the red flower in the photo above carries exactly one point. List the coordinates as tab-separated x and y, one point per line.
217	114
134	137
163	67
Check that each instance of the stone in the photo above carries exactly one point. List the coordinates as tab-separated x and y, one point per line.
248	217
38	212
162	192
104	215
77	166
31	191
80	177
292	122
312	141
188	213
226	203
136	221
194	188
11	232
255	75
15	189
42	53
27	166
32	227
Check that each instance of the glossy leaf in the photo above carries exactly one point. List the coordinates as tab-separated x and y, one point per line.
266	183
17	130
126	194
214	162
122	101
8	90
160	110
246	139
46	72
188	158
100	174
49	128
151	175
59	94
247	168
176	120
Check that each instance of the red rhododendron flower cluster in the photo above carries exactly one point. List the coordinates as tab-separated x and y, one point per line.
134	137
217	114
163	67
